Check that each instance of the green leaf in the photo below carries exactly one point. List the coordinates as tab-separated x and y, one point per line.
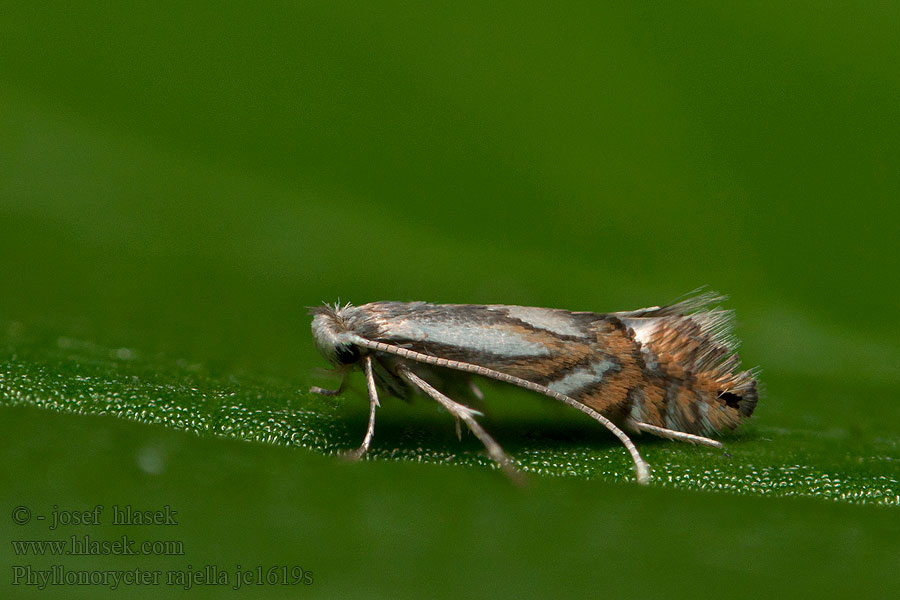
71	375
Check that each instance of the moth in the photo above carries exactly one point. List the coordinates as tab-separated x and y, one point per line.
671	371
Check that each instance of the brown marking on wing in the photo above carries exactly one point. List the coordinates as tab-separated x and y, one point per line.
563	356
720	415
611	396
692	388
654	407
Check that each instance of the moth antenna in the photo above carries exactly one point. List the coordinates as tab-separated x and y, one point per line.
642	470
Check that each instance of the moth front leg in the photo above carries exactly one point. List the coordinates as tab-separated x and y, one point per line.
466	415
373	404
323	392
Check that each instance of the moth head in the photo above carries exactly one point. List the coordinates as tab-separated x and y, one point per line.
332	333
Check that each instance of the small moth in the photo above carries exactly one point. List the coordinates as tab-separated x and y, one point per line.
671	371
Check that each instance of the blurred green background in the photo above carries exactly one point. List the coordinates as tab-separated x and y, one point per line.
178	181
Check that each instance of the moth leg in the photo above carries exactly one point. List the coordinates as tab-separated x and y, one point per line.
323	392
478	394
465	414
676	435
476	391
642	470
373	404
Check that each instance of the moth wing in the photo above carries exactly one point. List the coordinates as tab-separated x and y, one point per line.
696	335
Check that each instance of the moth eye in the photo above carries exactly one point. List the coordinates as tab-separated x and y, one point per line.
346	354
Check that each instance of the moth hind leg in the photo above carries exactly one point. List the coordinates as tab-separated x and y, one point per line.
673	434
467	415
